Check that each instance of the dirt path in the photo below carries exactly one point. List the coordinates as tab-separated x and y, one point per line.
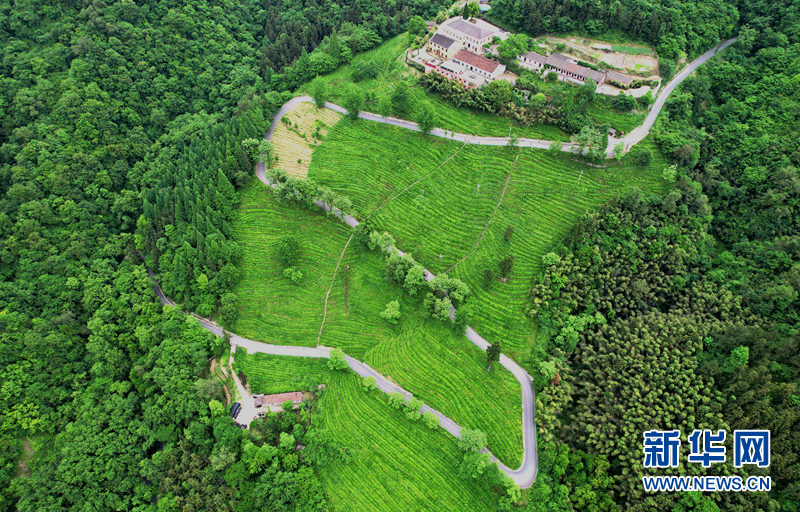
328	294
214	366
491	217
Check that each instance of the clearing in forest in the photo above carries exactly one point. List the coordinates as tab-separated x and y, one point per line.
626	57
424	356
298	133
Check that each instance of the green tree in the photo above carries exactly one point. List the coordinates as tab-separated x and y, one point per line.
320	93
493	353
506	264
430	419
392	312
739	357
353	102
369	383
472	440
337	360
294	275
417	26
396	399
288	250
425	116
401	98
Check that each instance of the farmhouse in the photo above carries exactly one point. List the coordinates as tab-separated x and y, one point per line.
618	79
277	399
486	67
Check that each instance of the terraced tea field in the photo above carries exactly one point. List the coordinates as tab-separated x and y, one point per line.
424	356
389	59
440	201
270	374
397	465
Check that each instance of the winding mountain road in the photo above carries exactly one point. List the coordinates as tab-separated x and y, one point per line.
640	132
525	475
635	136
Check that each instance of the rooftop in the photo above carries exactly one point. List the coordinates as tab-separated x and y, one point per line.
535	57
471	29
476	60
443	41
619	78
279	398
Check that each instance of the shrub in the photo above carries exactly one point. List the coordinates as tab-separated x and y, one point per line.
392	312
506	264
396	399
293	274
288	249
369	383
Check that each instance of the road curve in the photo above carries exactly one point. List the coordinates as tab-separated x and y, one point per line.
640	132
523	476
364	370
635	136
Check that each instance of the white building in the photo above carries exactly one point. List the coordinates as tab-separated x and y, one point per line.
532	61
472	33
469	69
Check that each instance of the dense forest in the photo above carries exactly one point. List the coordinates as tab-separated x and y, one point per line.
121	125
682	311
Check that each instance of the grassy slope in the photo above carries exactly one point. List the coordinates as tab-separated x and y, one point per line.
389	57
440	219
398	464
424	356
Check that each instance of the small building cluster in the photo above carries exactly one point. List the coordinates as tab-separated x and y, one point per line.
569	70
458	47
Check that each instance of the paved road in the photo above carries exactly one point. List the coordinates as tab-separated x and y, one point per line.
248	412
523	476
640	132
634	137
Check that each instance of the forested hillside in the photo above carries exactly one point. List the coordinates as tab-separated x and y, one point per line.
120	138
683	311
